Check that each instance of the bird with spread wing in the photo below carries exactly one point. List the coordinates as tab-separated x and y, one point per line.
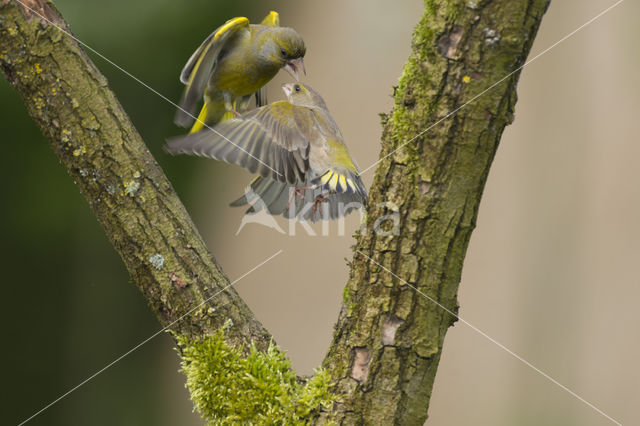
305	170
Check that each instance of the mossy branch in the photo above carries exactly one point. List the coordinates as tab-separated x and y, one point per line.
230	388
388	338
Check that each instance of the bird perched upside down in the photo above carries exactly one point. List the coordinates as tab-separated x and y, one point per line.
233	63
305	170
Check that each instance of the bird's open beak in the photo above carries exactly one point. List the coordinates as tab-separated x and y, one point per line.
293	66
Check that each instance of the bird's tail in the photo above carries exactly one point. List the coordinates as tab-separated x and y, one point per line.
341	181
211	114
308	203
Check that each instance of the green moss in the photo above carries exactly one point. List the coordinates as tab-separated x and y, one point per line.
453	10
347	300
229	387
431	7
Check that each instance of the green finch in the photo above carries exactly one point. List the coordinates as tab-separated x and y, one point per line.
233	63
296	147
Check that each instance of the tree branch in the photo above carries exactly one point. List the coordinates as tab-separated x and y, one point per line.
128	192
388	339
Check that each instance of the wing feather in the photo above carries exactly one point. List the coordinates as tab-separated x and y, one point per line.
200	65
271	20
266	140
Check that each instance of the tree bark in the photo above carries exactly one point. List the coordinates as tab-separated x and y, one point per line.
389	338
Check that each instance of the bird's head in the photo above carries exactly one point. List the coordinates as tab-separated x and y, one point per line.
303	95
286	48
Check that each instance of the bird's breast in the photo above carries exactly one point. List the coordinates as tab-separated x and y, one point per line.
241	73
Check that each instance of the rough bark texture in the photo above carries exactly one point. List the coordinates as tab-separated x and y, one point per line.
389	338
130	195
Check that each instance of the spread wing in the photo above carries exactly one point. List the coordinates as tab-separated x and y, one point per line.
267	141
197	71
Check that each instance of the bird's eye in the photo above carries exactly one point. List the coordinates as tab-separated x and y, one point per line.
297	88
283	52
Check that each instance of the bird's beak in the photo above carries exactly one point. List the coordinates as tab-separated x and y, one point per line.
293	66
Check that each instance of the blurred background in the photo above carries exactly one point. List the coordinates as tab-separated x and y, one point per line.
551	271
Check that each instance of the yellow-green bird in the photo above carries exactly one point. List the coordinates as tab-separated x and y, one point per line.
233	63
305	170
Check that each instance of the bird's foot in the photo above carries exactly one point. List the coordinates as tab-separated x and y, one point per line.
295	192
320	198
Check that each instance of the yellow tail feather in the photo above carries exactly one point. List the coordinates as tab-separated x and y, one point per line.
199	124
337	182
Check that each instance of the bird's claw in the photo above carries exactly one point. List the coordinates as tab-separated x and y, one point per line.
295	192
320	198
